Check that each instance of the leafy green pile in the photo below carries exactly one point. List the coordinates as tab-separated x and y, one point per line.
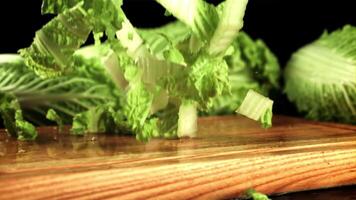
251	66
149	82
321	77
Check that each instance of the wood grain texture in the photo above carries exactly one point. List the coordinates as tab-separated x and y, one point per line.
230	155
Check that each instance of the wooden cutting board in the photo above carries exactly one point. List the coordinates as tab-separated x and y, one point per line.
230	155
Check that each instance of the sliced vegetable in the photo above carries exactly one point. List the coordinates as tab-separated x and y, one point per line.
151	82
257	107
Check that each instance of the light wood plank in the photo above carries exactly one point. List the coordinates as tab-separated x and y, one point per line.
230	155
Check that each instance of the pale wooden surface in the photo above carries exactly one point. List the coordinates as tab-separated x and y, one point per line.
230	155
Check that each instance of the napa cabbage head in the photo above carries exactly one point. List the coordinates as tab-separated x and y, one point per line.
320	78
27	100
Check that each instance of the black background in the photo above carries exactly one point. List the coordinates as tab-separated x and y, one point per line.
285	25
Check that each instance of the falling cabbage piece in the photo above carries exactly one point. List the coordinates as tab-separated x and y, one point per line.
257	107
